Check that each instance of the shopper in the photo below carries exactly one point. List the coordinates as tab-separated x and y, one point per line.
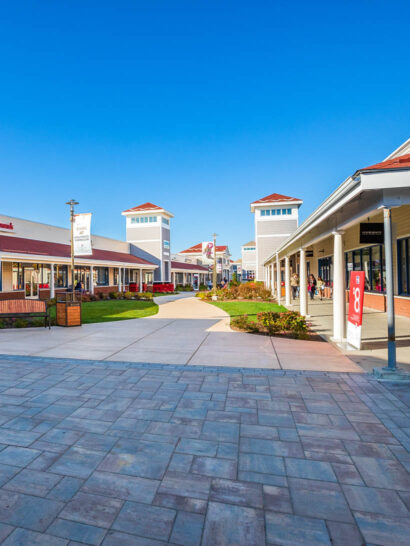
312	286
294	283
209	284
321	287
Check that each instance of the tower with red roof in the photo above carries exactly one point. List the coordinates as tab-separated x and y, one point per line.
148	229
276	218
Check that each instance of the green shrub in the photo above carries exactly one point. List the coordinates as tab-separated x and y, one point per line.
51	302
271	321
20	323
128	295
93	297
240	322
2	324
114	295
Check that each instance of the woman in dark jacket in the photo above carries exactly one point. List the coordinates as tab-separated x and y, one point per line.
312	286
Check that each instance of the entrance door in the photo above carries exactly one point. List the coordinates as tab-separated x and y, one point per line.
31	282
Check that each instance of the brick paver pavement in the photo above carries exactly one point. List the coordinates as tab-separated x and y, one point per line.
127	454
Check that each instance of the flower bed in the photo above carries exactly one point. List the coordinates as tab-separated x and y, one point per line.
246	291
289	323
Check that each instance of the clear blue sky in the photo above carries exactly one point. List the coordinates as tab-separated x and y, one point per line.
200	107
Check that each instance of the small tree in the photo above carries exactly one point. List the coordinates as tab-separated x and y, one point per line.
234	281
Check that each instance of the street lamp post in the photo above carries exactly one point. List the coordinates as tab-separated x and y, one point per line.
72	204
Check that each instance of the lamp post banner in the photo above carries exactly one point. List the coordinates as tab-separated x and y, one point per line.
208	251
355	316
82	234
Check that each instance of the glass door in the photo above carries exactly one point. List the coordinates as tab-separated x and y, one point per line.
31	282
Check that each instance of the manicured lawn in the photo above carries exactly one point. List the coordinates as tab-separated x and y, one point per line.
250	308
112	310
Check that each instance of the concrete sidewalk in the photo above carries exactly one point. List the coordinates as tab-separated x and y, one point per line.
374	334
185	331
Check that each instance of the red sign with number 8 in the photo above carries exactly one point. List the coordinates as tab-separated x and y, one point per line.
356	295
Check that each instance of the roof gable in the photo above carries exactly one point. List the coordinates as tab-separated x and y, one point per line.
144	207
198	249
275	197
399	162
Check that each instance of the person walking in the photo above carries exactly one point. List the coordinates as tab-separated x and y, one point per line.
209	284
312	286
294	283
321	287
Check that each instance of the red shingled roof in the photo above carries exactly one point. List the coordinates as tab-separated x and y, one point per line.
183	265
400	162
33	247
198	248
145	206
275	197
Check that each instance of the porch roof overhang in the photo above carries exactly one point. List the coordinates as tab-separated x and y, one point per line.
59	260
359	197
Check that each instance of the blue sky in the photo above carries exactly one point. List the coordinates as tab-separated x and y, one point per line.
200	107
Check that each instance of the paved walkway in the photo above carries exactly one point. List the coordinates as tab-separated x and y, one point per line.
185	331
374	334
125	454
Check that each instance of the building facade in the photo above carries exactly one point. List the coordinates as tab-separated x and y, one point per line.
337	239
276	218
248	252
35	261
193	255
148	229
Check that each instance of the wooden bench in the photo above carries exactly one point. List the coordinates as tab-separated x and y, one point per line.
25	308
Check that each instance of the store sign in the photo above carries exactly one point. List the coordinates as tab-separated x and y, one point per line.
372	233
6	227
355	316
82	234
208	252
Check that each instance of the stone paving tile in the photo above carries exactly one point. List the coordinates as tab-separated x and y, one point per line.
385	530
187	529
77	462
120	453
21	537
288	530
228	524
27	511
211	466
144	520
75	531
377	501
121	487
235	492
33	482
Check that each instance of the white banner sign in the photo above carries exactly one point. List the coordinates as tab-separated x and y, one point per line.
208	252
82	234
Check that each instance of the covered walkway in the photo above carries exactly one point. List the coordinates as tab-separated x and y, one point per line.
374	334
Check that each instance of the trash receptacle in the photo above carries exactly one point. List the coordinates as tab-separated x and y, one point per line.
68	309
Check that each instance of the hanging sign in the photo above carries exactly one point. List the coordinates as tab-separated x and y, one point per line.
372	233
355	316
208	251
82	234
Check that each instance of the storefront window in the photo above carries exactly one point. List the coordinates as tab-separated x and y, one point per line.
61	276
371	261
148	278
325	270
17	277
403	260
366	268
100	276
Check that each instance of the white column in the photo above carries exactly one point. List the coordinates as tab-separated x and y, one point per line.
140	279
119	279
303	284
278	286
91	279
339	304
287	281
52	287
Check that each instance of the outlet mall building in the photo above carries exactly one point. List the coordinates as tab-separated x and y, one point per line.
363	225
35	258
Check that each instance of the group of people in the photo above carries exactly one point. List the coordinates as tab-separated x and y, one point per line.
314	286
